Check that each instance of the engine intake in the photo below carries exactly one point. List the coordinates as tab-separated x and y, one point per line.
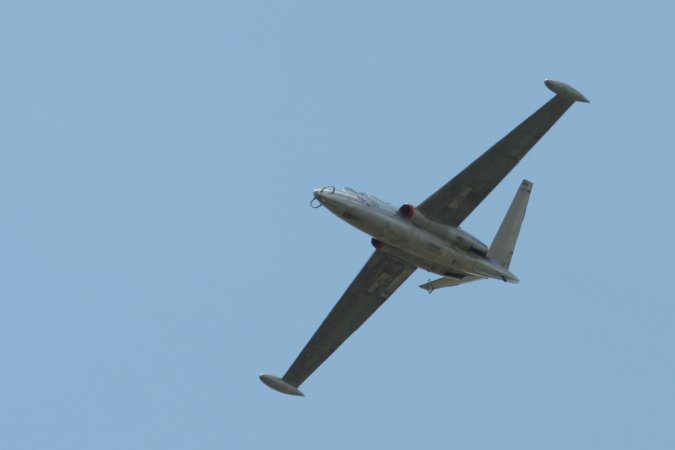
407	211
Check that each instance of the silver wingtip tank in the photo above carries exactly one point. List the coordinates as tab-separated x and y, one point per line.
565	91
280	385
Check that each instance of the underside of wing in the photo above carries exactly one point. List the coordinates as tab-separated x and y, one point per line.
453	202
378	279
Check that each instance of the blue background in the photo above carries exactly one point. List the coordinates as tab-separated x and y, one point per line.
157	249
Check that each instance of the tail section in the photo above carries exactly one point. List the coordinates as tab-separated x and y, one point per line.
501	249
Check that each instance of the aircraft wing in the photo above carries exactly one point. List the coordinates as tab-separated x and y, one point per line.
453	202
378	279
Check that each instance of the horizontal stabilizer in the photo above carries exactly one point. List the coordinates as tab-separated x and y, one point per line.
448	282
501	249
498	274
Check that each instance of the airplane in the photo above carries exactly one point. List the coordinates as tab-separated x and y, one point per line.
427	236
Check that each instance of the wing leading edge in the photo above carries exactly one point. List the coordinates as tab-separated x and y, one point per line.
376	281
453	202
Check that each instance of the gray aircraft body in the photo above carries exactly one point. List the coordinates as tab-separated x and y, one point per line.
427	236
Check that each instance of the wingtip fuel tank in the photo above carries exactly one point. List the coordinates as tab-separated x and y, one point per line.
565	91
280	385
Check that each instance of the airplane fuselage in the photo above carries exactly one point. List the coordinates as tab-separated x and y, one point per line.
440	249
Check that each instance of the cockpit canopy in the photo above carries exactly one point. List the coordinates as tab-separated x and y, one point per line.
363	196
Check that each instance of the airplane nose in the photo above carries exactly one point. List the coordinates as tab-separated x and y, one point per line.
323	192
329	197
320	197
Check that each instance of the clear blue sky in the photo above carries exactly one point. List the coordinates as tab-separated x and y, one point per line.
157	249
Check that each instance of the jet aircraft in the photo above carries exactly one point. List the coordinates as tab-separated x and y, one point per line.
427	236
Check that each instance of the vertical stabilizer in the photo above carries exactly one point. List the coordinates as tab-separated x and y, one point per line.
501	249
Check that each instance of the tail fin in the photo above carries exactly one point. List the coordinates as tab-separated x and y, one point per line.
501	249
